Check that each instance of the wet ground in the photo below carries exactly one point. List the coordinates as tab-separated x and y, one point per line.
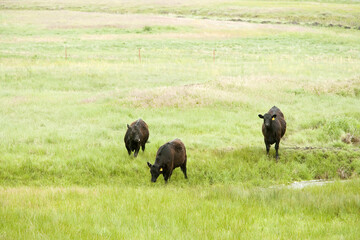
302	184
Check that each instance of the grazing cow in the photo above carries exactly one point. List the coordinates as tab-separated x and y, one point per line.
273	128
169	156
136	135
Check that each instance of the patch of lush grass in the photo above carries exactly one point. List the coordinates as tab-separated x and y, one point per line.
65	172
81	165
167	212
64	120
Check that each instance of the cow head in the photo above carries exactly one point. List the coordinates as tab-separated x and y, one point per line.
155	171
134	133
268	119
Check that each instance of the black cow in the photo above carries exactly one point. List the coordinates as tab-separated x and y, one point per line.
136	135
273	128
169	156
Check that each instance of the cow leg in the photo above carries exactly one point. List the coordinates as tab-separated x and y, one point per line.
129	150
166	177
267	145
183	169
143	147
136	151
170	173
277	149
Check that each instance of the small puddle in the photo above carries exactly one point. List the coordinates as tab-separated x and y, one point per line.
302	184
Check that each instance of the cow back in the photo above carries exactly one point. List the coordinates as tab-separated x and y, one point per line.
179	152
142	128
277	111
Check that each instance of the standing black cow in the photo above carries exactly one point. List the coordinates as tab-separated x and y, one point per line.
136	135
169	156
273	128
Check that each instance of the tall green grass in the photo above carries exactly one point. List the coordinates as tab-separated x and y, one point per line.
64	120
167	212
64	169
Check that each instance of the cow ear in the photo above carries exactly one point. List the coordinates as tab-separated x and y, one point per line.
261	116
127	125
149	164
273	117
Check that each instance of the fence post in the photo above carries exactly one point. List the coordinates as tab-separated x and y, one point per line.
139	55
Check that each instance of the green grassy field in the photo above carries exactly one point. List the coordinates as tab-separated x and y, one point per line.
168	212
64	169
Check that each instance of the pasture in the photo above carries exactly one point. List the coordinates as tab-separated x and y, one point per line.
71	79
